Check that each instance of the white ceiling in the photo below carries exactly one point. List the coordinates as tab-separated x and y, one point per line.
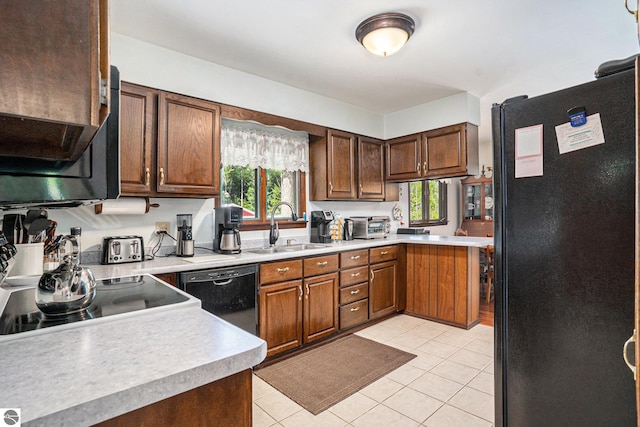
459	45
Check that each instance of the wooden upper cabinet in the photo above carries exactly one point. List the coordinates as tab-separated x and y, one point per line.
169	144
446	152
346	167
341	161
137	118
404	158
451	151
371	185
188	145
55	62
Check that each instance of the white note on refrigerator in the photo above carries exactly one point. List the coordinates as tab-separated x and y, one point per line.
576	138
528	151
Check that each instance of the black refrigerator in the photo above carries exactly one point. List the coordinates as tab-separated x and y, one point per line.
564	255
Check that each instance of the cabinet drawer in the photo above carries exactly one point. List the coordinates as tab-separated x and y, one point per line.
320	265
280	271
354	258
354	313
354	275
383	253
354	293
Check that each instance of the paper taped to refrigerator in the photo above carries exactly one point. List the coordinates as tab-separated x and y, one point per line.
528	151
576	138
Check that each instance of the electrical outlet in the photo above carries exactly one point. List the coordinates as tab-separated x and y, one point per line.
162	226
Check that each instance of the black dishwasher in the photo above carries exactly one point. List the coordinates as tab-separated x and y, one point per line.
229	293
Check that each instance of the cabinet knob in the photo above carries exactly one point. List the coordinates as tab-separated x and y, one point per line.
147	177
161	176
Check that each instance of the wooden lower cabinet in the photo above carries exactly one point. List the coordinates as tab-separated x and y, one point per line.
383	289
443	283
302	310
226	402
320	307
281	316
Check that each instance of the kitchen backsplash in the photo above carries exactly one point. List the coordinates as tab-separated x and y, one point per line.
95	227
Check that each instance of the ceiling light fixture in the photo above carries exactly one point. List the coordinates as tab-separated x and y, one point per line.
386	33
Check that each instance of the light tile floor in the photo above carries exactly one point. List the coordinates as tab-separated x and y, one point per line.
449	384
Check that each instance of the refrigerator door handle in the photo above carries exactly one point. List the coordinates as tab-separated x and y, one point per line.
625	353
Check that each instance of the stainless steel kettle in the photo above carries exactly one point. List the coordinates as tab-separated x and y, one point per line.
67	289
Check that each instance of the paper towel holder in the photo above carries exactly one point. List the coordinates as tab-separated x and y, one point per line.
99	208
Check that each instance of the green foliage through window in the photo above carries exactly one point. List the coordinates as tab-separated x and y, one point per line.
427	203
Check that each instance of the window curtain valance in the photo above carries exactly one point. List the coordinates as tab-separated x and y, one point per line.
248	143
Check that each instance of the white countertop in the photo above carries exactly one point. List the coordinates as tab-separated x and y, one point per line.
90	373
175	264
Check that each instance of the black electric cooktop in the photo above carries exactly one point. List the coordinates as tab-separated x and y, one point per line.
113	296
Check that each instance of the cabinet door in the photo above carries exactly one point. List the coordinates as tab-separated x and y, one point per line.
446	151
421	280
371	183
54	55
341	175
281	316
188	145
404	158
320	307
382	289
137	113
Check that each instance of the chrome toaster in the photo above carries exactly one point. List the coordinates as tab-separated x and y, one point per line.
120	249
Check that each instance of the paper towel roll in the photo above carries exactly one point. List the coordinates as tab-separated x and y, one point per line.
124	206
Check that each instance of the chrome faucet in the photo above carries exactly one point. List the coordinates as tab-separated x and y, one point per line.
274	231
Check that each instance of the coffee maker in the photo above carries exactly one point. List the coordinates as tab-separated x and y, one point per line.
226	221
320	232
184	245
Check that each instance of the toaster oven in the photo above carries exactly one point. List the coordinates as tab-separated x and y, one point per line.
370	227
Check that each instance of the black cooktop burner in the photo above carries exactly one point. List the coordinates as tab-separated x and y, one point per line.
113	296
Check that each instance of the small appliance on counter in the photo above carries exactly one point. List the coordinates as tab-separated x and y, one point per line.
413	230
184	245
226	236
121	249
371	227
320	230
348	229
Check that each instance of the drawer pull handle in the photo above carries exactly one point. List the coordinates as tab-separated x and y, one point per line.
419	169
372	276
631	366
355	309
330	187
357	291
161	176
424	167
321	263
307	295
355	274
147	177
300	288
384	252
282	270
355	257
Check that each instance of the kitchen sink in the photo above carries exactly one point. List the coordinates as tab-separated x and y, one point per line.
287	248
